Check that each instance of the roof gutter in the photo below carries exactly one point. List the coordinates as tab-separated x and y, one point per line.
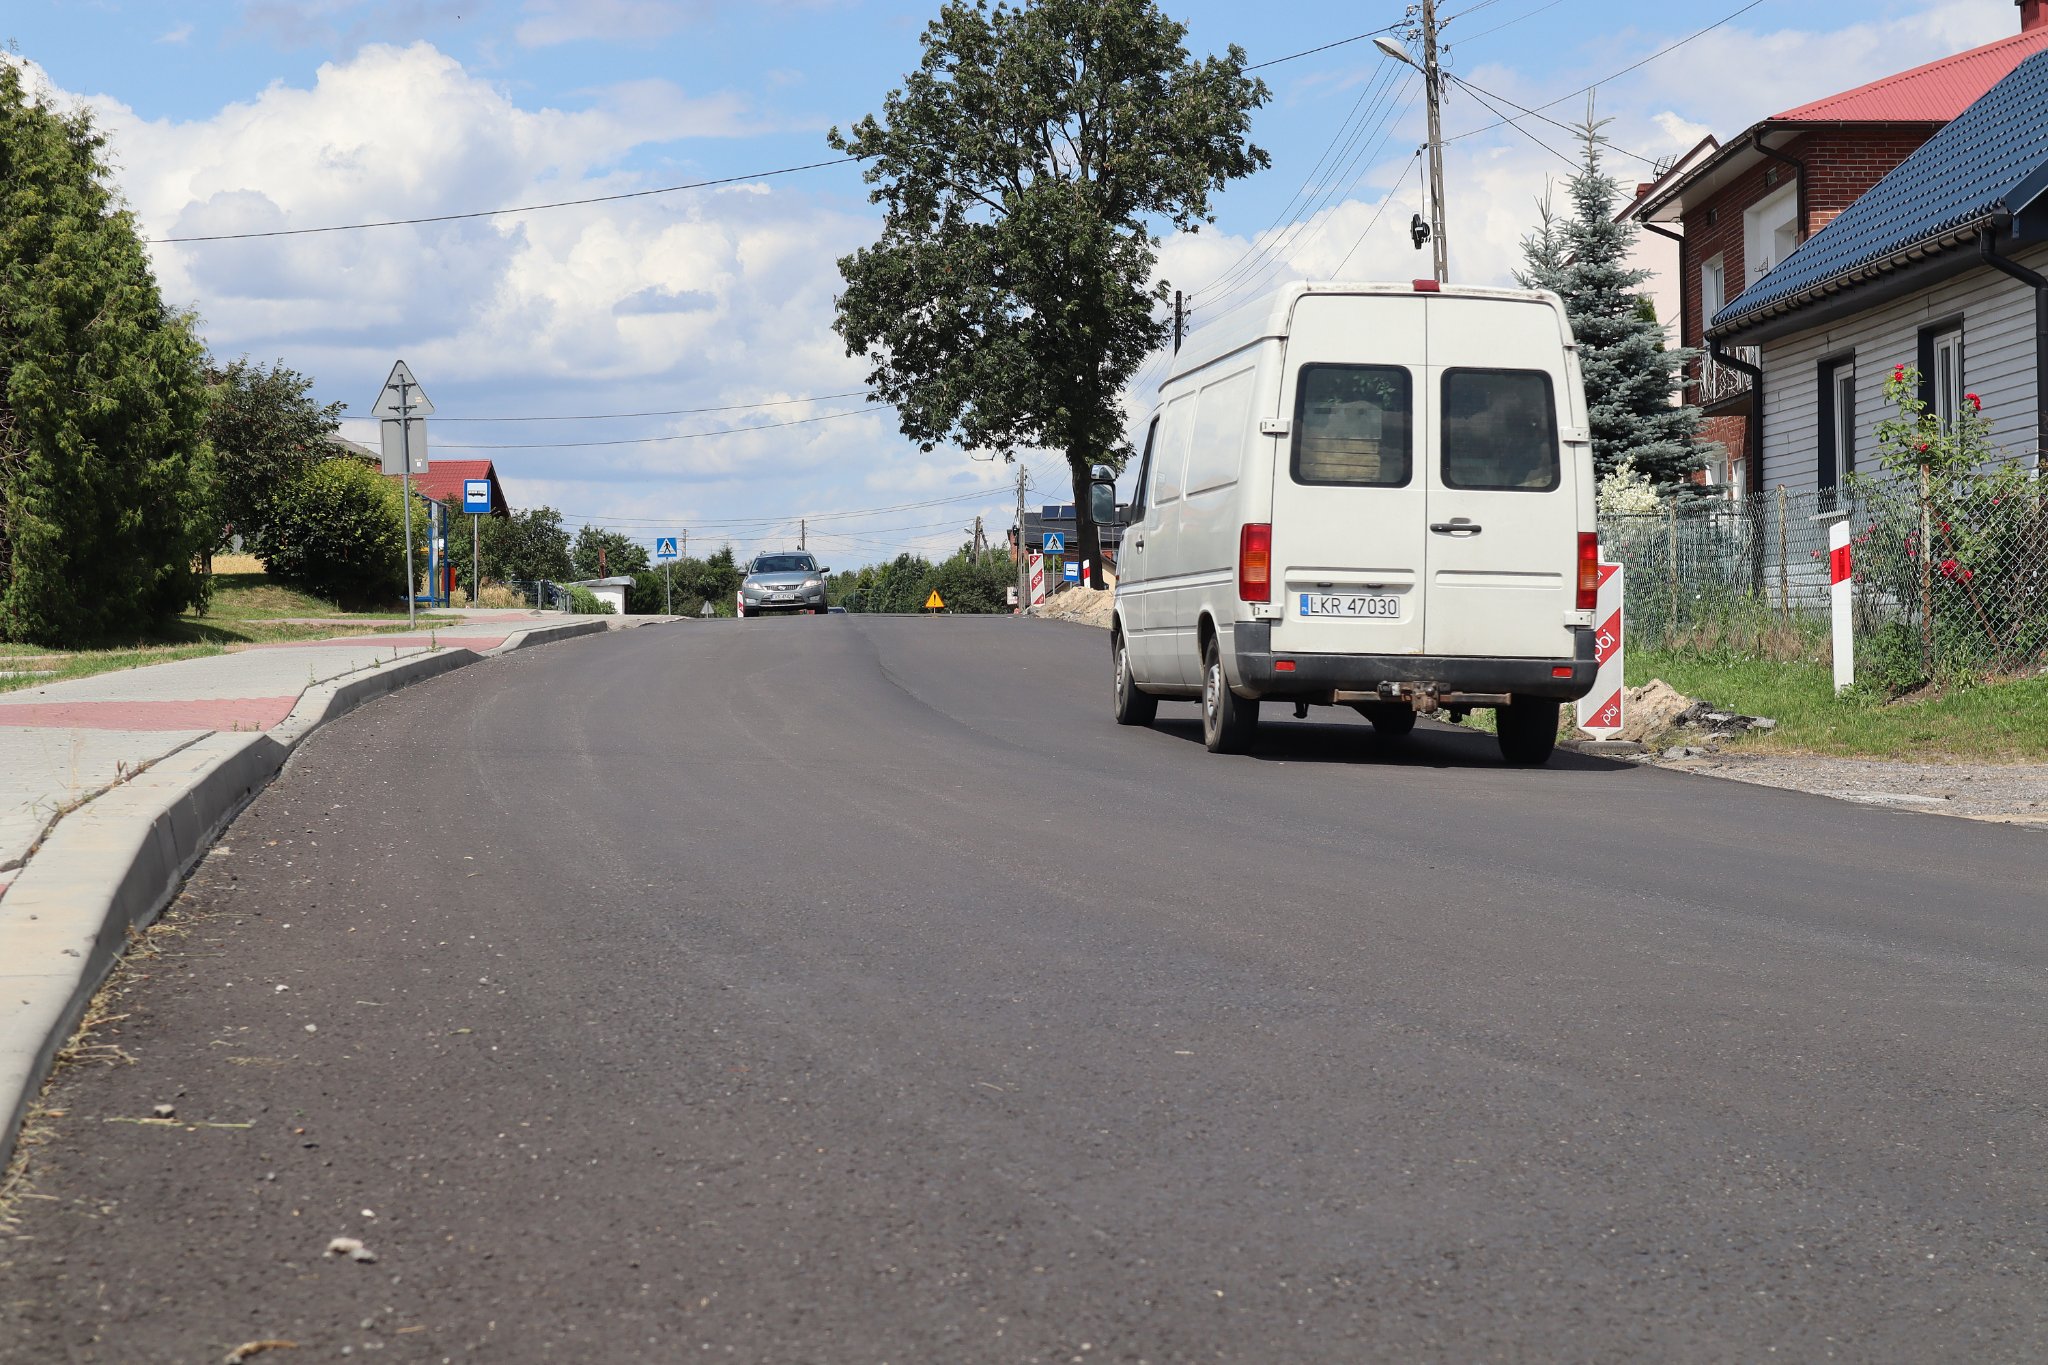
1987	252
1915	267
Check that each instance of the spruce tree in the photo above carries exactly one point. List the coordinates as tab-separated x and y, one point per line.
105	478
1631	376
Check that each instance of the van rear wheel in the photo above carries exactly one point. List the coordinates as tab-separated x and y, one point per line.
1132	706
1228	720
1527	730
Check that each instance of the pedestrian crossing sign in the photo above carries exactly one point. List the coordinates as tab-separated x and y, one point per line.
665	548
934	602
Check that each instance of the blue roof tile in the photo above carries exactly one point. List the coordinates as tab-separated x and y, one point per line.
1991	161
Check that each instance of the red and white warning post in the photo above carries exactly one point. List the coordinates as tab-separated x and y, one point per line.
1599	711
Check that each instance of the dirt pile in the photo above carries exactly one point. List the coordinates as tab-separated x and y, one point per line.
1086	605
1657	712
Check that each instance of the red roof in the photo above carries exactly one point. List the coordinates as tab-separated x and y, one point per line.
1934	93
444	478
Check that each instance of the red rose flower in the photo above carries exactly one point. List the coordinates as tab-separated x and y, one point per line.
1967	575
1976	403
1948	568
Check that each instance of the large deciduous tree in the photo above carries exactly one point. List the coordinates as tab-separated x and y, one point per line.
622	554
1022	168
105	483
265	430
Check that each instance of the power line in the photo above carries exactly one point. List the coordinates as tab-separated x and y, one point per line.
1387	199
1377	86
1632	66
667	412
1481	95
1506	23
654	440
742	522
498	213
1354	38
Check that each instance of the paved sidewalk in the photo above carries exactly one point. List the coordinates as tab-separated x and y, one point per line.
64	743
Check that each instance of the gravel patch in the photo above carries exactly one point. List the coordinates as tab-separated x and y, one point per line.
2012	794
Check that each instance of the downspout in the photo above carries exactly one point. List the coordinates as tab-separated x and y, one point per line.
1684	280
1987	251
1754	437
1798	180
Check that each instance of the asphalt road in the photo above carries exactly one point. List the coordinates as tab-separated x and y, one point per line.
853	990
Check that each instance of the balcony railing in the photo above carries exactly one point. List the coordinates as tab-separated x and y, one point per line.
1718	381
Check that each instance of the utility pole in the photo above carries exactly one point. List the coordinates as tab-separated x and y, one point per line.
980	539
802	525
1433	78
1432	81
1023	556
1179	321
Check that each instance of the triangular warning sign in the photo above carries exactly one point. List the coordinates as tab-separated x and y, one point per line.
934	602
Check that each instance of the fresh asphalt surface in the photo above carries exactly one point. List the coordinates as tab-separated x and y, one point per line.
852	990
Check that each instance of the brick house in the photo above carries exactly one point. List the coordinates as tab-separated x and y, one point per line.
1738	213
1943	265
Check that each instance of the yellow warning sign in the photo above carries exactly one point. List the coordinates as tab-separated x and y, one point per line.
934	602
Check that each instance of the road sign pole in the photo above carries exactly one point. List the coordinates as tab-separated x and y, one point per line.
476	555
405	461
668	589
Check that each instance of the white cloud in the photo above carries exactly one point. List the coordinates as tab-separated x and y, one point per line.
181	34
550	22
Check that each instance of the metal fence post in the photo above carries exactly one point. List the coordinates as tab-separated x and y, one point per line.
1784	569
1671	622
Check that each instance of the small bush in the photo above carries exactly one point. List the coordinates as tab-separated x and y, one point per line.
339	533
584	602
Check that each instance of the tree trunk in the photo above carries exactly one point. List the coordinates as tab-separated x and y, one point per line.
1087	538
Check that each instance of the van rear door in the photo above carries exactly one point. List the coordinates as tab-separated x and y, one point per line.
1348	492
1504	490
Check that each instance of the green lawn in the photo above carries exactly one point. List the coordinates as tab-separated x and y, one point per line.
1996	722
246	609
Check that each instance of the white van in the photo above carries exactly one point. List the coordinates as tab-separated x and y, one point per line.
1366	495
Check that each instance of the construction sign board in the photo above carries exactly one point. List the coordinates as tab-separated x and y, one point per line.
1599	711
935	602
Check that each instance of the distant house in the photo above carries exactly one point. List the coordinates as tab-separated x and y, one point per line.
1744	209
444	480
1943	264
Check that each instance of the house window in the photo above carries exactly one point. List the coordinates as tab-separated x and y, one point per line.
1837	429
1945	376
1713	289
1770	231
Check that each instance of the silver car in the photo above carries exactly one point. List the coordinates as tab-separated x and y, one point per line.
783	582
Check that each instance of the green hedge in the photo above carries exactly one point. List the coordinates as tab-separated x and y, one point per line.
584	602
338	532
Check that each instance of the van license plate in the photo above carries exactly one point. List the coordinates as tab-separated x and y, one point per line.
1378	606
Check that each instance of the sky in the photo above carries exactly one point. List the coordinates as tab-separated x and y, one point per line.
705	314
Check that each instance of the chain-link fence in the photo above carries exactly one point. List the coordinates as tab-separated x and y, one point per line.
1949	583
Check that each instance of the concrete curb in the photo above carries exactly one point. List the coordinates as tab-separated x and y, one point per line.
110	867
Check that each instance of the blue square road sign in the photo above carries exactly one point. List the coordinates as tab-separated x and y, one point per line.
476	496
1071	571
1055	543
665	548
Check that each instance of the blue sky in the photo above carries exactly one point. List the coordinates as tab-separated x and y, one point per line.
255	114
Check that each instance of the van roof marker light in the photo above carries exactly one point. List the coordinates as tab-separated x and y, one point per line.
1427	287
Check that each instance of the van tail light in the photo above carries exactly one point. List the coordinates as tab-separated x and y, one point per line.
1589	570
1255	562
1428	287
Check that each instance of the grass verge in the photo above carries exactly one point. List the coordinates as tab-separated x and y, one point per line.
1999	722
247	609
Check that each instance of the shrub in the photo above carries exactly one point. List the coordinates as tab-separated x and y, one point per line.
584	602
339	532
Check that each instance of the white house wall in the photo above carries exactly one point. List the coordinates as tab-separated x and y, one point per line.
1997	314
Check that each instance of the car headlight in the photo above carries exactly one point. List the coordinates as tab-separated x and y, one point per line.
814	582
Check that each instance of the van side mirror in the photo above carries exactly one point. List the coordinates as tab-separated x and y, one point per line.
1102	496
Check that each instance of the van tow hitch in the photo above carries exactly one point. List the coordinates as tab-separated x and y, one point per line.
1421	696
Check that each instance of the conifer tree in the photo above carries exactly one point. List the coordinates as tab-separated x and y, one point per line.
1631	376
105	487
